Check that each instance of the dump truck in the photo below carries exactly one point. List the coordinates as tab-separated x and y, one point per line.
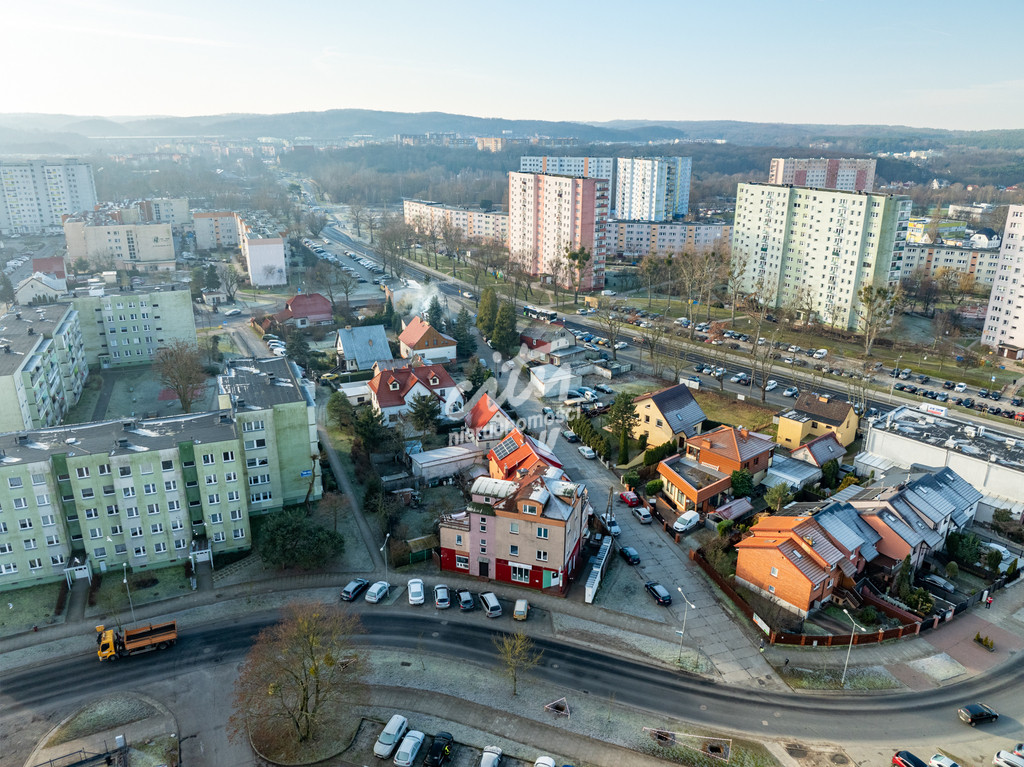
115	644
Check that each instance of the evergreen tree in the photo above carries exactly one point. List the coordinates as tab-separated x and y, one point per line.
212	279
742	483
465	341
6	290
424	412
434	313
505	336
487	312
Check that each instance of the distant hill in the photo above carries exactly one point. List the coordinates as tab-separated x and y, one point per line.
18	132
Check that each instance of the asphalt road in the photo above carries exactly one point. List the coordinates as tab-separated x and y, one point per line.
899	718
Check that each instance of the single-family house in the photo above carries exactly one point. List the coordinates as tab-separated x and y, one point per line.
418	337
820	450
668	415
394	390
360	348
39	287
815	414
790	560
728	449
486	423
690	486
304	311
517	455
538	341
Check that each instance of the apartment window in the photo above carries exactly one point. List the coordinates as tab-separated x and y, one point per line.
14	482
116	530
254	444
53	540
88	492
458	539
234	495
213	499
219	537
38	479
771	589
167	465
135	532
230	476
152	508
211	479
120	548
775	572
208	459
483	525
177	524
542	532
216	518
140	551
10	568
131	512
238	533
261	479
156	528
35	564
124	471
3	527
252	426
173	505
483	547
228	456
520	574
255	463
236	515
149	488
179	543
513	551
461	562
83	472
57	559
108	490
159	548
104	469
128	492
6	548
171	484
513	527
92	513
260	497
542	556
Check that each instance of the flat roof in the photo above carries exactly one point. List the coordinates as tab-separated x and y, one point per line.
260	383
24	330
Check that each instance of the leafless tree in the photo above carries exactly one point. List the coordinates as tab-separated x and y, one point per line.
955	284
346	283
453	238
357	212
179	367
735	279
230	278
315	223
652	273
611	325
875	309
652	338
517	655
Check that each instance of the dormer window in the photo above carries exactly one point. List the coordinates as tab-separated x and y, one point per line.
530	509
434	380
393	385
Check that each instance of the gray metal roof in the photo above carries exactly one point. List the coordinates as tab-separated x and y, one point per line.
366	345
681	411
851	518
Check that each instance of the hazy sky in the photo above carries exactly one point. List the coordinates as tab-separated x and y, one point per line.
935	63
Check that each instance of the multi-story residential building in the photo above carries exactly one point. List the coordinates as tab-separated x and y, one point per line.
635	239
813	415
583	167
167	210
42	366
815	249
475	224
1004	328
919	229
98	237
264	258
652	188
845	174
150	493
983	263
36	194
549	215
218	230
123	328
973	212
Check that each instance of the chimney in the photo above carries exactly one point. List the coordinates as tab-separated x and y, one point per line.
348	327
744	434
122	443
239	403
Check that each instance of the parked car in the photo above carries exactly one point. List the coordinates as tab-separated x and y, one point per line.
410	748
587	452
790	391
659	592
440	750
1007	759
941	760
491	757
521	610
544	761
466	601
960	387
643	516
613	527
605	389
630	555
442	597
940	583
686	522
378	591
975	713
353	589
569	435
390	736
907	759
629	498
232	312
415	587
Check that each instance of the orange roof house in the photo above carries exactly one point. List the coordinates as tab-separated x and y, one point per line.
486	422
790	560
418	337
728	449
518	454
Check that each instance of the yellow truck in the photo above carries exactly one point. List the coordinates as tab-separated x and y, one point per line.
155	636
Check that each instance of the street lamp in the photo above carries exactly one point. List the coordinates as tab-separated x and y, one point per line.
686	611
192	569
384	551
895	375
848	649
124	566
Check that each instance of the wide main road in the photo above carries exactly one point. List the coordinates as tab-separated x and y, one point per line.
899	718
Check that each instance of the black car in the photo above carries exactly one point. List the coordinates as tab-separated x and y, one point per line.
353	589
440	750
948	385
659	592
907	759
630	555
973	713
1017	402
996	396
995	410
923	378
967	402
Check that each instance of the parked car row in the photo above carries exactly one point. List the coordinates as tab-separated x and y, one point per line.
416	591
396	738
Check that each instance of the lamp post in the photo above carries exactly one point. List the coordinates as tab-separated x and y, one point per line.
192	569
124	566
895	375
686	611
848	649
384	551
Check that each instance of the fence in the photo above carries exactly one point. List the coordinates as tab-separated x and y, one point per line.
698	557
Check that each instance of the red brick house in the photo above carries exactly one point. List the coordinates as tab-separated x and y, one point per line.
728	449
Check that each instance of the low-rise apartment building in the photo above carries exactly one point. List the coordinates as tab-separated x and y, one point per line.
475	224
636	239
813	415
983	263
218	230
101	238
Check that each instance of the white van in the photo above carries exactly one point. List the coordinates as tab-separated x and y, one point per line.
820	354
492	608
390	736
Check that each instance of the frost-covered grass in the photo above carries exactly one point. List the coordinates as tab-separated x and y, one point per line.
156	752
857	678
21	609
105	714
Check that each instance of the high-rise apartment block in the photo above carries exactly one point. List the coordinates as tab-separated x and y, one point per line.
99	237
150	493
584	167
218	230
474	223
652	188
1004	324
35	194
549	214
167	210
848	175
814	249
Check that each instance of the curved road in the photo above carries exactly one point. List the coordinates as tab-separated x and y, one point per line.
899	717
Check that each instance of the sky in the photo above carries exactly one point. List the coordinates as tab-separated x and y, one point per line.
932	64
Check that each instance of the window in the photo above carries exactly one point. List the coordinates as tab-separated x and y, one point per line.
156	528
177	524
458	539
173	505
216	518
483	525
167	465
92	513
211	479
213	499
513	527
238	533
262	479
771	589
88	492
219	537
254	444
520	574
42	499
140	551
775	572
236	515
116	530
542	556
35	564
6	548
53	540
48	520
513	551
120	548
542	532
179	543
131	512
253	463
483	547
38	479
3	527
228	456
24	524
136	532
149	488
124	471
462	562
208	459
10	568
83	472
57	559
230	476
104	469
108	490
260	497
171	484
128	492
159	548
14	482
252	426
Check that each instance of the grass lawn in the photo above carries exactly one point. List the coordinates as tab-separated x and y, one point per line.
112	597
724	408
21	609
